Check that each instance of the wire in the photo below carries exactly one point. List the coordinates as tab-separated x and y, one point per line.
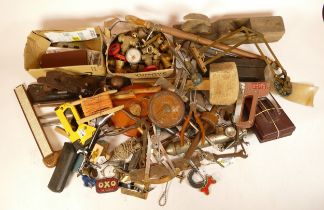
164	197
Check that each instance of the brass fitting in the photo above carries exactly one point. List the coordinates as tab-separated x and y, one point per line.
147	58
150	50
158	41
166	61
156	62
152	40
141	34
111	62
127	41
119	64
134	67
134	34
164	46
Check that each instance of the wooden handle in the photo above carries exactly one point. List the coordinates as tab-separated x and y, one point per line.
128	94
137	21
51	160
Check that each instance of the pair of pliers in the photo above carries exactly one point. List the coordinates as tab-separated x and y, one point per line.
192	111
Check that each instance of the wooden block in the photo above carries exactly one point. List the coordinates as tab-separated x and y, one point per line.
95	104
224	83
272	27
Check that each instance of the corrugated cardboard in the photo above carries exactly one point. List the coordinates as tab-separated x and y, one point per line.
37	44
115	27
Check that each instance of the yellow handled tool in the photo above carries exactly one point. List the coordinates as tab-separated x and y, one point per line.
74	130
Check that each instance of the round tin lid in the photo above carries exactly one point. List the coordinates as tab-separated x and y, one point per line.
166	109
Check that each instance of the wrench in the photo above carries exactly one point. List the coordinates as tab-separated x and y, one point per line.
214	157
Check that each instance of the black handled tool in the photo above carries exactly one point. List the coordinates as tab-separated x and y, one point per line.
63	168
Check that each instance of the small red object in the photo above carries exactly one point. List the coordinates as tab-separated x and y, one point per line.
107	185
150	68
114	49
120	57
210	181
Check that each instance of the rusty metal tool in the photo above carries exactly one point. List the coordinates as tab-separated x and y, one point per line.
253	90
184	63
162	156
158	173
195	142
199	58
180	83
192	111
50	157
215	157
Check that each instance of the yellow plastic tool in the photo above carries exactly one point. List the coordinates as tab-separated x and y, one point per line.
75	131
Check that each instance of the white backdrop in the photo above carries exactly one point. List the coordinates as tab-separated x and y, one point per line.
283	174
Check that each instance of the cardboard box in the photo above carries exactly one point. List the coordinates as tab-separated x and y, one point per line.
115	27
37	44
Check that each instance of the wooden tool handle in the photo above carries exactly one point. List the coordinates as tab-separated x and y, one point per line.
128	94
51	160
137	21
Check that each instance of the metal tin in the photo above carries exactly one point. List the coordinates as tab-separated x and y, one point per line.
166	109
107	185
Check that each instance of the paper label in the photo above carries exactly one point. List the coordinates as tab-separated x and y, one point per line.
73	36
226	161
